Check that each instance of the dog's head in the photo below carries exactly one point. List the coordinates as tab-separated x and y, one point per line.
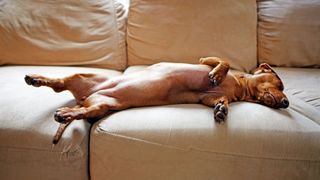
268	88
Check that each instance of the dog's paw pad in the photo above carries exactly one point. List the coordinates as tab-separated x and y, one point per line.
220	117
215	79
220	112
32	81
28	80
59	117
66	114
62	115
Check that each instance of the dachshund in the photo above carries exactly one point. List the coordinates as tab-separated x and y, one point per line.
209	83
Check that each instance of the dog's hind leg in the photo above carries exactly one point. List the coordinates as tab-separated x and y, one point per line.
56	84
95	106
219	71
80	85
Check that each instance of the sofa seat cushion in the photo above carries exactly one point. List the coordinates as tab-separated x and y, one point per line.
183	142
302	83
27	127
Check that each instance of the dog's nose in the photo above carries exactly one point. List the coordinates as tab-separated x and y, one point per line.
284	103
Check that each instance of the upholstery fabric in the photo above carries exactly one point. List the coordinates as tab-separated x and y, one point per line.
27	128
184	31
41	32
184	142
303	83
289	32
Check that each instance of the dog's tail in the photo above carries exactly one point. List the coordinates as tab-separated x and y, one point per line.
61	129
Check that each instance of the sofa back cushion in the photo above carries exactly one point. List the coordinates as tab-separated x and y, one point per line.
47	32
184	31
289	32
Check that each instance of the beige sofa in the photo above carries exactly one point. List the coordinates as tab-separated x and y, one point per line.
162	142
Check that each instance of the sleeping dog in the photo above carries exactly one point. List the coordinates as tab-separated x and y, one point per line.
208	83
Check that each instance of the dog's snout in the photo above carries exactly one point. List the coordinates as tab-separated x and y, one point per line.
284	103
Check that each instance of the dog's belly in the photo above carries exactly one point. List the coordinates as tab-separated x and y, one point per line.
165	83
145	91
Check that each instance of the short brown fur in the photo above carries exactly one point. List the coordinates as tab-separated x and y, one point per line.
208	83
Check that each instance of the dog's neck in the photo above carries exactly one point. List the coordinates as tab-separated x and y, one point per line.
245	90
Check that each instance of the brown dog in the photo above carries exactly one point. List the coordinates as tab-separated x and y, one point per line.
208	83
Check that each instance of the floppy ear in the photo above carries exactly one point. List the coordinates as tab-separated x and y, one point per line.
266	68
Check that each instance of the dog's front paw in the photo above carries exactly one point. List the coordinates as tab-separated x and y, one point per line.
215	78
220	112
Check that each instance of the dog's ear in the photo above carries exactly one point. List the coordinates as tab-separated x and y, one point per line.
266	68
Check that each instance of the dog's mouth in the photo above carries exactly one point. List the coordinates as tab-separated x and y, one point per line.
270	100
